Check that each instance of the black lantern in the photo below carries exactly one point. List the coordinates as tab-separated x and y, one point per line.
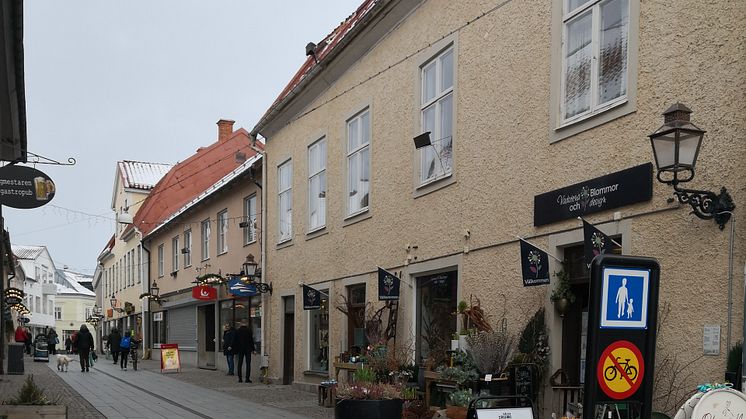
249	266
154	290
676	147
113	301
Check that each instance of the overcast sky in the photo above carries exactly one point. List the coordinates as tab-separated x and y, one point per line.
114	80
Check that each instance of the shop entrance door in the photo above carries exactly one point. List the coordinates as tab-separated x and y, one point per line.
206	337
288	358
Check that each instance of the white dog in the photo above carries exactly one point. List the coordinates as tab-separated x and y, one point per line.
62	362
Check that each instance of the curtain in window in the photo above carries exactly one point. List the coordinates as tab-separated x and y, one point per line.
612	66
578	54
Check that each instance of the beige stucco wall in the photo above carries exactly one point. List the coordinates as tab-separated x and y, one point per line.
503	158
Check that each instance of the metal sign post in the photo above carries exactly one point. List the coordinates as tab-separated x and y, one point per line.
622	321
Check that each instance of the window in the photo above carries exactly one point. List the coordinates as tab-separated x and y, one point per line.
222	231
249	217
356	340
188	247
44	305
205	229
594	56
88	312
436	301
39	308
37	273
285	192
159	327
58	313
138	268
175	254
160	260
436	116
234	311
358	162
319	335
317	185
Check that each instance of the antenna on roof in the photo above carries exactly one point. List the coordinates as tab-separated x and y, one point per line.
311	50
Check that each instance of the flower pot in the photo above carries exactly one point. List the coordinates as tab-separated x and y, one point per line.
462	343
562	305
368	409
33	411
454	344
456	412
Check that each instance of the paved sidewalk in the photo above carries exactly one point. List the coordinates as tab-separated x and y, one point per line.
53	386
148	394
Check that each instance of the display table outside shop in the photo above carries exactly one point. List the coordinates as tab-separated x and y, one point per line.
347	366
433	377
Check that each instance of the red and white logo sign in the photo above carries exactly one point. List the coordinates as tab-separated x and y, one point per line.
204	292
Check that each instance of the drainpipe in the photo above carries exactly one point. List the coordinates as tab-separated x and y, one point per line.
266	301
730	285
148	318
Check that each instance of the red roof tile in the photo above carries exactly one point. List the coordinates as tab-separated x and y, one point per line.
323	49
189	178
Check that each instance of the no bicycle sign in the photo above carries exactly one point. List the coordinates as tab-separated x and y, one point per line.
621	368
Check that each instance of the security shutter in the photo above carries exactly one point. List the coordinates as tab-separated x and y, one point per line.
182	327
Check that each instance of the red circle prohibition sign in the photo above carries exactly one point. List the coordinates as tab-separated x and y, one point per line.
620	370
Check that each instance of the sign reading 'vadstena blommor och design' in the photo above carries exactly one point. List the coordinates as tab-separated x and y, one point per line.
614	190
25	187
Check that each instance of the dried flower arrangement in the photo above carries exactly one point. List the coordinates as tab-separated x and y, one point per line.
491	350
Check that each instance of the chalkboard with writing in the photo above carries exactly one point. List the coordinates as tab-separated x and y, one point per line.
524	380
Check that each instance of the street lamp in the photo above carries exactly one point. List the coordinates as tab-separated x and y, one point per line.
676	147
251	274
249	266
154	290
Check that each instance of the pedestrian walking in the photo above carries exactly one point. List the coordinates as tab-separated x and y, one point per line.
28	341
229	337
244	347
114	338
84	344
20	335
124	350
68	345
74	339
52	341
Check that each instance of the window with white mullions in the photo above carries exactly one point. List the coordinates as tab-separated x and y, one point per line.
358	163
188	248
223	232
160	260
285	200
595	57
317	185
175	254
249	214
437	116
205	230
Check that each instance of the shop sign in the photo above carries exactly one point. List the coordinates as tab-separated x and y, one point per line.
622	320
25	187
614	190
388	285
534	265
311	298
158	316
204	292
170	360
240	288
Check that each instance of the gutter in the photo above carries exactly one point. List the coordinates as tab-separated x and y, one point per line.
267	308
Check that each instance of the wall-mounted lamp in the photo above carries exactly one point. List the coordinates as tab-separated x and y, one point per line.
676	147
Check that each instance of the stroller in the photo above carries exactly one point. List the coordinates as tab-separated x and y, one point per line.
41	349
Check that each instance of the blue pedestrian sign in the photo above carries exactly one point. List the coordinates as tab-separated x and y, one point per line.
624	298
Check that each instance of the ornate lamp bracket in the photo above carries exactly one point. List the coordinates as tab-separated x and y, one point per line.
707	205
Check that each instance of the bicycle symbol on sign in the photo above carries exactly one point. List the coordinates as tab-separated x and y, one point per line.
610	373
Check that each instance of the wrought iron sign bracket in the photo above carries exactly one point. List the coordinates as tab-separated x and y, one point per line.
707	205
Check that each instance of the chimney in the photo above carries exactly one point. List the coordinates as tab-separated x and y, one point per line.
225	129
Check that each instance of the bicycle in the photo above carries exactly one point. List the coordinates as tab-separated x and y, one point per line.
611	372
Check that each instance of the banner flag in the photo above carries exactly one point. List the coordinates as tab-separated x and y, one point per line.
595	242
311	298
388	285
534	265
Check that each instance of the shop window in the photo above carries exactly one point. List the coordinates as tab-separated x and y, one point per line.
234	310
356	340
436	303
159	327
319	335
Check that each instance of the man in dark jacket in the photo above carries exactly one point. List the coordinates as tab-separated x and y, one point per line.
244	346
229	337
84	345
114	338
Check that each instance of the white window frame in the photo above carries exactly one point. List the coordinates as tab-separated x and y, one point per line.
175	254
436	138
58	313
249	216
204	228
138	266
356	153
285	191
222	239
160	260
319	173
188	246
568	17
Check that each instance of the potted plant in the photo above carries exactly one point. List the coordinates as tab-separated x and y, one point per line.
367	399
31	402
454	342
562	295
458	403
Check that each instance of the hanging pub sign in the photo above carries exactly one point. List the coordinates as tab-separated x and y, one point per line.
311	298
614	190
534	265
622	320
25	187
388	285
239	288
595	242
204	292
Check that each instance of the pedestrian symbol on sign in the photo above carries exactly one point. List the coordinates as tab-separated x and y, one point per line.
625	298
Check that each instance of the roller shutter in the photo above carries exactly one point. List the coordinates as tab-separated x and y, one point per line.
182	327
